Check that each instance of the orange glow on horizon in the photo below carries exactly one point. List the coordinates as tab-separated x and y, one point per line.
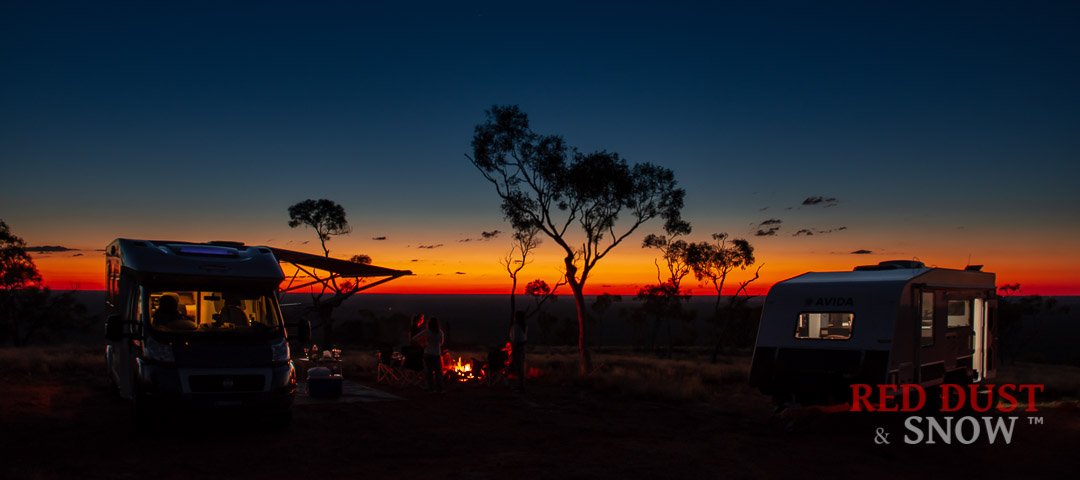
621	276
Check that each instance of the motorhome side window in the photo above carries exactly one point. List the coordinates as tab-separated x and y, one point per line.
210	311
825	325
959	313
927	315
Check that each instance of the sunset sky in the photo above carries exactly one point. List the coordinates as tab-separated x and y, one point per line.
945	133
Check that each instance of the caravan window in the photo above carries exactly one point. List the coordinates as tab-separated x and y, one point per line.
825	325
959	313
927	315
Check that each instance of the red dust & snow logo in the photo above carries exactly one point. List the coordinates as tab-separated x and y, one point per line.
981	403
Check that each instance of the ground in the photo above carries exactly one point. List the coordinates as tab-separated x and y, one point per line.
67	424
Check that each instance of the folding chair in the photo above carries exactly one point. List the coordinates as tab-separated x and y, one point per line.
387	368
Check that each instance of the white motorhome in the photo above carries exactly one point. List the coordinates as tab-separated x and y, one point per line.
898	322
197	325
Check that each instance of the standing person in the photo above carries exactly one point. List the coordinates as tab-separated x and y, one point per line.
432	339
519	336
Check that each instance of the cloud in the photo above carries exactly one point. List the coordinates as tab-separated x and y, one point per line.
77	255
459	273
484	236
862	252
811	231
818	200
768	228
49	249
379	238
415	260
429	247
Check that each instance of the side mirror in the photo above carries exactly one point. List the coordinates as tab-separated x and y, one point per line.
303	331
114	328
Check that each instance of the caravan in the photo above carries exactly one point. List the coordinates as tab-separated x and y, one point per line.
897	322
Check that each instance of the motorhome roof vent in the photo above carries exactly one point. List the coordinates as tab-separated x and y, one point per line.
891	265
973	268
204	250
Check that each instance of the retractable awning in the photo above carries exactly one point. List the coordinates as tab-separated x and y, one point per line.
308	263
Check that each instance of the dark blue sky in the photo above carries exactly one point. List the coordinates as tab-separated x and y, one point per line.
140	118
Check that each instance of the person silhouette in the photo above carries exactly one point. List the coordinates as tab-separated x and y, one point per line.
232	313
519	336
168	315
432	339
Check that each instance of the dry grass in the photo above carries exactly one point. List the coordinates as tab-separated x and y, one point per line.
691	378
1062	381
49	362
688	377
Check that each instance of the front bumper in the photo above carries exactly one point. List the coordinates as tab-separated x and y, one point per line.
210	388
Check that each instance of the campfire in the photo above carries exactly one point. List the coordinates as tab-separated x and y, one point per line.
461	371
474	369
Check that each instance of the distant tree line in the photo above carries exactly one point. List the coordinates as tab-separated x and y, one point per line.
29	311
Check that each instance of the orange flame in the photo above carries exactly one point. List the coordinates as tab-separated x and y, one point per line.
461	370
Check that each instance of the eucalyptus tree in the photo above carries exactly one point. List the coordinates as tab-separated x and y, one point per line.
586	203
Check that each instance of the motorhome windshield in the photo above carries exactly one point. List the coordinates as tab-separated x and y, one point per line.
198	311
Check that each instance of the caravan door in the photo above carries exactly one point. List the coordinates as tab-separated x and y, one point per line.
982	362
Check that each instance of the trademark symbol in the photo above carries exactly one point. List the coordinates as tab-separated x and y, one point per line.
1035	420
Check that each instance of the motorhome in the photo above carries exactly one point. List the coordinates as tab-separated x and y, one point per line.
197	325
897	322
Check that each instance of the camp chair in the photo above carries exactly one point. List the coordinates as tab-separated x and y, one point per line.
387	369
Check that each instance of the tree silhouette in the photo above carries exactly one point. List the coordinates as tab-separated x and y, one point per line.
541	293
17	269
524	242
327	218
675	253
547	185
665	300
28	308
713	262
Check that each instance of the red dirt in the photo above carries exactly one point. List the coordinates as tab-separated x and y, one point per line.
74	428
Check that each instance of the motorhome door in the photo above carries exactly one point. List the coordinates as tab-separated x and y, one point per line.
125	348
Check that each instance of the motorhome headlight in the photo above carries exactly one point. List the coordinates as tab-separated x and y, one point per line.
154	350
279	351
